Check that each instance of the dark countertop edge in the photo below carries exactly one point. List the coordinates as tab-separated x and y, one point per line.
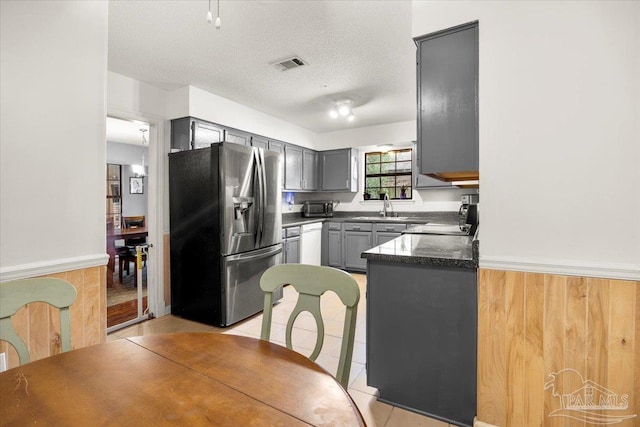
293	219
429	261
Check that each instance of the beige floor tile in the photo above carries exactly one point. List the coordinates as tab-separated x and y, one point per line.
360	383
374	413
403	418
359	352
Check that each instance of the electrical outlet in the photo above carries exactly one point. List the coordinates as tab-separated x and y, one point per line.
3	362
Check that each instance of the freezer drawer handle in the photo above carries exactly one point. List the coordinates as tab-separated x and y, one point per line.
262	253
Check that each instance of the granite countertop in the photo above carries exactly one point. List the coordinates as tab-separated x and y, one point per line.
295	219
427	249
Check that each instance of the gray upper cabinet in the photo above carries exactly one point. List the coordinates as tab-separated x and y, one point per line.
276	146
190	133
292	167
300	168
260	142
309	169
339	170
423	182
447	73
237	136
279	147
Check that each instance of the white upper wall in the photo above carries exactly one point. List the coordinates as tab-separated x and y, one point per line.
52	131
214	108
393	133
559	128
127	96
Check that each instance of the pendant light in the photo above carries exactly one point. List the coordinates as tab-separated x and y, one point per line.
210	15
218	17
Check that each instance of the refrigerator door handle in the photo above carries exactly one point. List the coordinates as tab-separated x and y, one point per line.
261	253
263	193
260	207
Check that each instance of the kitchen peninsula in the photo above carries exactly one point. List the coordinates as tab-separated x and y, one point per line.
424	286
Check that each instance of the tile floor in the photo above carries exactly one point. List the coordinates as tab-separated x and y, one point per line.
376	414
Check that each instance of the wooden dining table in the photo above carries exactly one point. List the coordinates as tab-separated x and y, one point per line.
185	379
119	234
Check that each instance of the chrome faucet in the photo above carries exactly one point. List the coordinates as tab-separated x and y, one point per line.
386	204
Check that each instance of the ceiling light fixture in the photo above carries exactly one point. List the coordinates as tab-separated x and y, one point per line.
209	15
343	109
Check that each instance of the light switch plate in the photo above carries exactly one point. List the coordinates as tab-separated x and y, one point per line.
3	362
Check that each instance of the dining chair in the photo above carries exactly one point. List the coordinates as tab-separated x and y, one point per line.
311	282
18	293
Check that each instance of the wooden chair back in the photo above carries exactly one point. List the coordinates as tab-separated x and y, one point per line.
133	221
18	293
311	282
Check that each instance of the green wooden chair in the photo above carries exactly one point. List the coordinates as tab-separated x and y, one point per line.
18	293
311	281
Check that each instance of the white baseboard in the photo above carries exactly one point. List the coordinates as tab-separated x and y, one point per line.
43	268
562	267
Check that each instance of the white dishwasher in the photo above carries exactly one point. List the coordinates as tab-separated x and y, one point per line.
310	243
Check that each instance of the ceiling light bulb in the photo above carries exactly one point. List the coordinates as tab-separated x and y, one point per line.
333	113
351	117
218	23
344	110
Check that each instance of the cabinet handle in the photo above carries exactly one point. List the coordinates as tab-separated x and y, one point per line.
356	228
388	228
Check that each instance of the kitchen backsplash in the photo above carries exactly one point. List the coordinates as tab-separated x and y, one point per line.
440	200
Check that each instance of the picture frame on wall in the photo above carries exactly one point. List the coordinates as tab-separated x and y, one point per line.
136	185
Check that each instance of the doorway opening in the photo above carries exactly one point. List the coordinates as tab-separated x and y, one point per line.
129	270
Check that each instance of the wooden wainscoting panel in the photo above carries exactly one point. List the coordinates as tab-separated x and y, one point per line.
38	324
515	345
534	375
562	332
491	327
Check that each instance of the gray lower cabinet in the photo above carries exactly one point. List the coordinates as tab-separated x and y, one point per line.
189	133
435	374
334	245
447	74
291	245
339	170
386	232
358	237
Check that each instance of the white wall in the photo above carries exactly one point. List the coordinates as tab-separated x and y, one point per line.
127	155
392	133
52	127
559	130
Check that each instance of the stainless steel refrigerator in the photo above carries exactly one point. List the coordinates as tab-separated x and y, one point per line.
226	230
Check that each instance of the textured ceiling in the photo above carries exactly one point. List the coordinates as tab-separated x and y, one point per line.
355	49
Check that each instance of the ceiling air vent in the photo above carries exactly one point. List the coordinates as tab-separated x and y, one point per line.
289	63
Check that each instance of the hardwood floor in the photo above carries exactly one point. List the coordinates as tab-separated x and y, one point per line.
120	313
